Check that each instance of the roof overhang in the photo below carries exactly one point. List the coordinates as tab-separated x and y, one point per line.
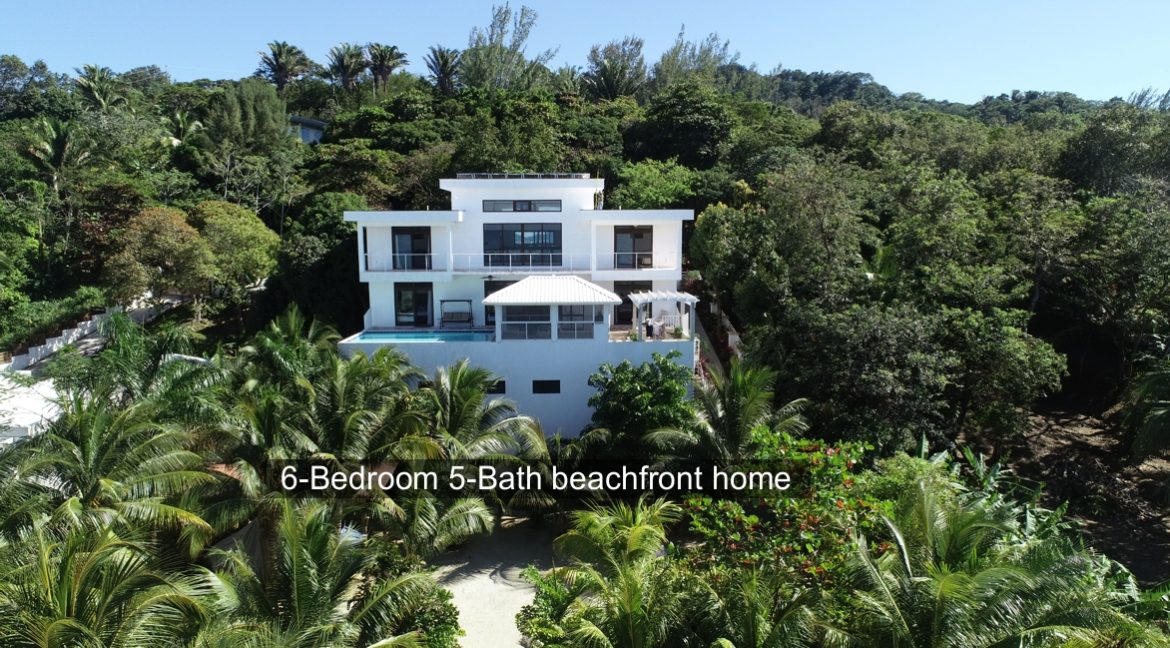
552	290
404	217
635	216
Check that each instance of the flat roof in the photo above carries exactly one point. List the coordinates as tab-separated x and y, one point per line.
551	290
521	176
650	296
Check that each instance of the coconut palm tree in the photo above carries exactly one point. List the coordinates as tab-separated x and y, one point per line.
291	349
101	461
978	572
179	127
731	407
320	590
384	60
57	147
443	65
469	425
430	526
754	609
90	587
283	63
347	63
628	596
100	87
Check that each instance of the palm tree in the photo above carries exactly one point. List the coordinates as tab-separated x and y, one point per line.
731	406
384	60
320	590
753	609
628	596
969	573
283	63
100	87
430	526
57	147
179	127
1147	410
92	588
347	63
469	425
102	461
291	349
443	64
611	79
606	536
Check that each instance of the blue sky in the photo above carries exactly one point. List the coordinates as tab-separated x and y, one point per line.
944	49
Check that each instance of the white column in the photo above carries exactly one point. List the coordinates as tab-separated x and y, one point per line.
499	323
362	264
450	248
592	247
555	319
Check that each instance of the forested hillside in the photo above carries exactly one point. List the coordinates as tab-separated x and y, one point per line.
917	268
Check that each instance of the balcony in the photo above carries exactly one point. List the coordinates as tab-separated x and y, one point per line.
405	262
519	262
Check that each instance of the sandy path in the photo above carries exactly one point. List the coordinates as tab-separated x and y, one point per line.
484	577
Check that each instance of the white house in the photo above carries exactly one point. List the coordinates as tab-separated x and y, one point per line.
528	277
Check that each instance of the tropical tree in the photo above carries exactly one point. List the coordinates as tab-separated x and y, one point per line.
430	525
91	587
1148	409
443	65
982	572
100	87
731	407
616	69
384	60
347	63
104	462
754	608
469	425
283	63
57	147
319	589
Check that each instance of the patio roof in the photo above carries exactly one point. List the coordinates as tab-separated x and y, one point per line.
550	290
650	296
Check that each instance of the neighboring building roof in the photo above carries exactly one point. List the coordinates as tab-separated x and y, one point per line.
651	296
551	290
521	176
306	121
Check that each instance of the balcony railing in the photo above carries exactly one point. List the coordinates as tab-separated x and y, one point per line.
405	262
519	262
638	261
526	330
487	262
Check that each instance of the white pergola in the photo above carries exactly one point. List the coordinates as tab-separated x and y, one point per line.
674	309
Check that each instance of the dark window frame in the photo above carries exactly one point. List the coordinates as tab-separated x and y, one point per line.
498	387
493	206
546	386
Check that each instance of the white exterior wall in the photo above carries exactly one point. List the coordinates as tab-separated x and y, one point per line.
519	362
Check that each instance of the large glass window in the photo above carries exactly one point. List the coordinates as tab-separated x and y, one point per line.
412	248
521	244
526	323
633	247
522	205
576	322
412	304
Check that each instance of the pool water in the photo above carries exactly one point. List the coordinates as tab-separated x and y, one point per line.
426	336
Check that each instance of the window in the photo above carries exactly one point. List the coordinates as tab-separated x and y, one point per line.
633	247
521	244
412	304
546	386
576	322
526	323
499	387
522	205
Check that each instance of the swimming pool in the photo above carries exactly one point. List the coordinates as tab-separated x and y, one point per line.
408	337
